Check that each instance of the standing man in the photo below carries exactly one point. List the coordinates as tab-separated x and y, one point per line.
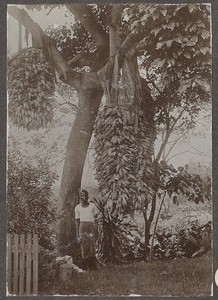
85	218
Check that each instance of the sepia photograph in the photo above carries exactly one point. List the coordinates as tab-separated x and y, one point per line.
109	150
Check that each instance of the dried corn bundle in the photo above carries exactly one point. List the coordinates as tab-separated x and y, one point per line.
124	139
30	88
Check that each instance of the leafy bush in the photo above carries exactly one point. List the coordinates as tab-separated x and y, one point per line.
29	205
119	240
117	237
170	246
193	186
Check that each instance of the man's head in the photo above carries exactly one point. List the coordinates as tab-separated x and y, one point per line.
84	196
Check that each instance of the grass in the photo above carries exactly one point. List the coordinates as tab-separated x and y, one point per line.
182	277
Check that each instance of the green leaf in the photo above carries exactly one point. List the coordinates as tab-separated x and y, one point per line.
195	38
205	34
169	43
171	62
204	84
190	43
205	50
151	10
156	30
171	25
178	39
187	54
164	12
155	15
191	7
160	45
164	26
178	7
159	62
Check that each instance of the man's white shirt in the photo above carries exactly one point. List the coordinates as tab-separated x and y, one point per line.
86	214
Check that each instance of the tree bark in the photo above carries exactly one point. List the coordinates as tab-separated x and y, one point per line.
84	14
89	101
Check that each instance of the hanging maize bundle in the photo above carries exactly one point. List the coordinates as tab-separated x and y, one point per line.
123	139
31	85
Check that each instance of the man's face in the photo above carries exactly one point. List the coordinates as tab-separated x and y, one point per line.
83	197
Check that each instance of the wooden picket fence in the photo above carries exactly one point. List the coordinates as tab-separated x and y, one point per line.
22	264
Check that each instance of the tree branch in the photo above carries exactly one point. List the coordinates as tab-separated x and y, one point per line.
73	106
198	151
163	145
82	60
84	14
168	132
180	153
95	60
175	142
21	16
54	57
135	37
176	120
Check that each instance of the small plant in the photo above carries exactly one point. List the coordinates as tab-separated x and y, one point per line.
117	237
184	244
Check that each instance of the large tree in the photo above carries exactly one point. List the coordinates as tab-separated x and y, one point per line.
106	52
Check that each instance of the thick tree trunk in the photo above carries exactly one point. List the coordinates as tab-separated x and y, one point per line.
77	146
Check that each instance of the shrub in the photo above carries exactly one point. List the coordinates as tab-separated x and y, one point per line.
117	237
29	205
182	244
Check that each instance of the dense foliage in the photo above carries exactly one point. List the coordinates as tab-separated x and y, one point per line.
121	240
180	33
183	244
121	177
193	186
117	236
169	55
175	57
29	206
75	39
30	87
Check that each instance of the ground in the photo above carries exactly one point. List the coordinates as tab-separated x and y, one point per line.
182	277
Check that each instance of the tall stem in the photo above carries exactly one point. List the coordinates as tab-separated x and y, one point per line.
155	226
